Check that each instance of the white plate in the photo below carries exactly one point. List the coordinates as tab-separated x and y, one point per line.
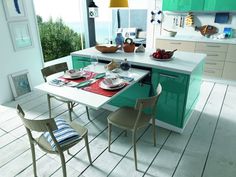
105	87
74	75
113	82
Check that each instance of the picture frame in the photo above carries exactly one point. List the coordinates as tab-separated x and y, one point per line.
14	9
20	83
20	35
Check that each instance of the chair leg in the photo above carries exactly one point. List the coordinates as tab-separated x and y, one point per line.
135	153
87	111
154	131
49	106
70	110
109	137
33	158
63	163
87	148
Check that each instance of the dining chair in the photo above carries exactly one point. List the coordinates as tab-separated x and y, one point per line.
57	136
134	118
54	69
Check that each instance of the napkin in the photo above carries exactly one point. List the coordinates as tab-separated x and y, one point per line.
99	75
57	82
84	84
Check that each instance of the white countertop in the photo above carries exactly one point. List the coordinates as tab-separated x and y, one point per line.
183	62
199	39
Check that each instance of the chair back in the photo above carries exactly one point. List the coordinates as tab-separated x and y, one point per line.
53	69
149	103
36	125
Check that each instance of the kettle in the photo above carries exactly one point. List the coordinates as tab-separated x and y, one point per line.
129	45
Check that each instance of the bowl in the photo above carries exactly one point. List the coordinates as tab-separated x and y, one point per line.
106	48
162	54
170	33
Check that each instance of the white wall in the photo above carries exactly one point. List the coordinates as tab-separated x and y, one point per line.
200	19
12	61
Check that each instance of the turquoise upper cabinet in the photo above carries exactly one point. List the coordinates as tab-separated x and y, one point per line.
182	5
220	5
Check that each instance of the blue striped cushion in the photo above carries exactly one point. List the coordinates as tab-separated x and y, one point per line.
64	134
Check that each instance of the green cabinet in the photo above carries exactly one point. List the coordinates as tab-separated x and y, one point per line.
80	62
171	104
179	95
129	97
220	5
182	5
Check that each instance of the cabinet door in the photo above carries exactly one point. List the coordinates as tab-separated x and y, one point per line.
182	5
172	102
129	97
80	62
220	5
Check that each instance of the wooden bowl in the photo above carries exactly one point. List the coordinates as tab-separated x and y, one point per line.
106	49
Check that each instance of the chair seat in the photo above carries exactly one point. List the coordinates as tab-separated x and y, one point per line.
125	118
45	145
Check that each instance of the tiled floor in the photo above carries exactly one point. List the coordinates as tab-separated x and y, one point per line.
206	148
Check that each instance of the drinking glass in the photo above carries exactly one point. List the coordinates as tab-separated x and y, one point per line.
94	61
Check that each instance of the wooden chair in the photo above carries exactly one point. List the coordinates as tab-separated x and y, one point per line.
51	70
49	125
135	118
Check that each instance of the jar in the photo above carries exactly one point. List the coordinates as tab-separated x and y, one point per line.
125	65
119	40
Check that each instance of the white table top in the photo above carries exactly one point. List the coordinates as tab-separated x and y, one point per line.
183	62
90	99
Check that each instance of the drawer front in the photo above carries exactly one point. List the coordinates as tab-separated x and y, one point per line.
229	71
214	64
219	56
212	72
231	55
173	44
201	46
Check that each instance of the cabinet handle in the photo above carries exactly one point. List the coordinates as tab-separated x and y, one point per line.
210	71
177	43
212	55
213	46
211	63
169	76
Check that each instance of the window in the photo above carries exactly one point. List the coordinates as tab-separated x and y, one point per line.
60	26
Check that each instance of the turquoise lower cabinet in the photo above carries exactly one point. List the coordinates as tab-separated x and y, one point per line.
80	62
171	104
179	95
128	97
220	5
182	5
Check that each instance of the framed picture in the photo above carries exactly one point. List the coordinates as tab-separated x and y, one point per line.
20	83
20	35
14	9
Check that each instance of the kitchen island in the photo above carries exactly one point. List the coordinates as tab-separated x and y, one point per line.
180	79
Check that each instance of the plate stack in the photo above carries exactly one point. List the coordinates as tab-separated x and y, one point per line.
112	83
74	74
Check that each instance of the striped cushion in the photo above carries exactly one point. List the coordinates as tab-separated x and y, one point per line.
64	134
